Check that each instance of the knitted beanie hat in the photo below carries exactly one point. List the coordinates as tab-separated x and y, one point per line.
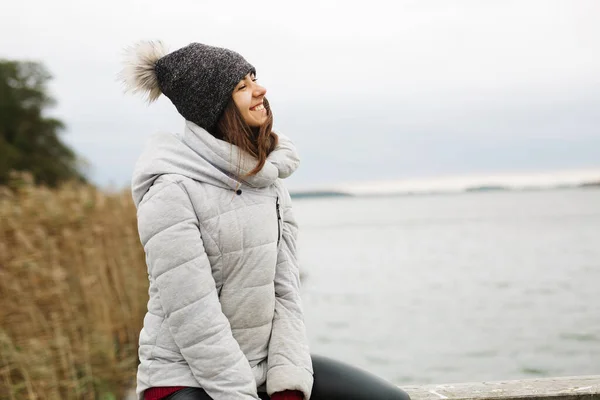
198	79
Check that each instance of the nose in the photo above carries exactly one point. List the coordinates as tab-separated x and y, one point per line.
259	91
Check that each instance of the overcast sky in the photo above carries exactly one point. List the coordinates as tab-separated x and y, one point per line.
369	90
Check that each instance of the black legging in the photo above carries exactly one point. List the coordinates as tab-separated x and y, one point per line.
333	380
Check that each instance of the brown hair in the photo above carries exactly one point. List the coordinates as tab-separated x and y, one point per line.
258	142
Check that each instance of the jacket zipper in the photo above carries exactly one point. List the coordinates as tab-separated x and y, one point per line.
278	221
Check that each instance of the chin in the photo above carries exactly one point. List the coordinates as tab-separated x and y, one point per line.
258	124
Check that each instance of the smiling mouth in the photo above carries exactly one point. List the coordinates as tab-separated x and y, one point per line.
258	107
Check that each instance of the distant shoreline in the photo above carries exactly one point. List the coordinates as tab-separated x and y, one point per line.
594	184
317	193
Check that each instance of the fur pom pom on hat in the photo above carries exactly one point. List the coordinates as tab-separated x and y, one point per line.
139	72
198	79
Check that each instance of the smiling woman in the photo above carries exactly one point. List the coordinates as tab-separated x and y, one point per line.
247	121
225	318
248	96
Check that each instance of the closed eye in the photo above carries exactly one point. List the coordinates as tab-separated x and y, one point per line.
254	79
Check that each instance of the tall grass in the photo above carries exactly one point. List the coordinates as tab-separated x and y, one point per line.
73	290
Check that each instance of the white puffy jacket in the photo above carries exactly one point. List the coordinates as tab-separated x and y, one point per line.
224	312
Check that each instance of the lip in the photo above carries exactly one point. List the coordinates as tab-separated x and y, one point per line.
254	106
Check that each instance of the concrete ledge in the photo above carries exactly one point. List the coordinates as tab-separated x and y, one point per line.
567	388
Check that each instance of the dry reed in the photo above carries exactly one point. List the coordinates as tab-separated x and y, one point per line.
73	286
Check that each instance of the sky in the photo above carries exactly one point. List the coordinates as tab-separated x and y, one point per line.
369	91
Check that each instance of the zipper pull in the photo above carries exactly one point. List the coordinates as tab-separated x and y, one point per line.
277	208
278	219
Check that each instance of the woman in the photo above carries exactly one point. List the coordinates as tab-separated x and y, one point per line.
224	318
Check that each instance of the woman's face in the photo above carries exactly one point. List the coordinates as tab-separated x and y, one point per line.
248	97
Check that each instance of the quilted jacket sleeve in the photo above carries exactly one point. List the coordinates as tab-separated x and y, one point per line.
290	365
177	262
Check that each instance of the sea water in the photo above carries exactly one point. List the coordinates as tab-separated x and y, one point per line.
456	287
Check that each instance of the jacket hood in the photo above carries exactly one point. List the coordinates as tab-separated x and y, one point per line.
200	156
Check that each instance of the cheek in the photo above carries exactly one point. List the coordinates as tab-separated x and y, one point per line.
247	100
240	101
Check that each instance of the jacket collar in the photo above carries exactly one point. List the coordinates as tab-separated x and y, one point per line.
234	163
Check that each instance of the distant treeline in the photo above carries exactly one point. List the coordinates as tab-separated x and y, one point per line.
29	139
